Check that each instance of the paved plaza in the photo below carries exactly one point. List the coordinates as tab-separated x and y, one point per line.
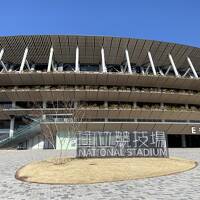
180	186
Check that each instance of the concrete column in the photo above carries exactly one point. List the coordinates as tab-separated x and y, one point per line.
134	107
60	68
192	67
24	60
50	60
173	66
1	62
128	61
183	141
1	53
13	104
77	68
152	63
105	104
162	107
44	105
12	126
55	67
75	104
103	63
33	67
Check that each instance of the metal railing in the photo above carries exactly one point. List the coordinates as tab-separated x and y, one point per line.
21	131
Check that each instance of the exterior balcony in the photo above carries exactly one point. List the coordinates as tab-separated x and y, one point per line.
125	114
167	127
97	78
76	94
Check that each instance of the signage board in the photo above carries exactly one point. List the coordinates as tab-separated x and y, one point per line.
122	144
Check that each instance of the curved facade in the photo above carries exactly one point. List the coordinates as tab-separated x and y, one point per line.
120	84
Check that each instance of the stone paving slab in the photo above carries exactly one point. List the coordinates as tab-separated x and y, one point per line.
183	186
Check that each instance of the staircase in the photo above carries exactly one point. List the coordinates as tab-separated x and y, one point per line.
21	134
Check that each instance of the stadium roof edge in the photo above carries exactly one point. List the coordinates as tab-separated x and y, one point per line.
64	49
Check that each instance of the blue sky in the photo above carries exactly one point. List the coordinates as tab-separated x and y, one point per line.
166	20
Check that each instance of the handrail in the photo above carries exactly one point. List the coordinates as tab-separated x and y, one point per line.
26	127
20	131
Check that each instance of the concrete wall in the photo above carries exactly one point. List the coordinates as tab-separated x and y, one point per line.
66	141
36	142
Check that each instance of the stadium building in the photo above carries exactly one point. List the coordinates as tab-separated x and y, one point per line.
120	84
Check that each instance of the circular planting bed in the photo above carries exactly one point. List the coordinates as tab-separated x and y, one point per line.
82	171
